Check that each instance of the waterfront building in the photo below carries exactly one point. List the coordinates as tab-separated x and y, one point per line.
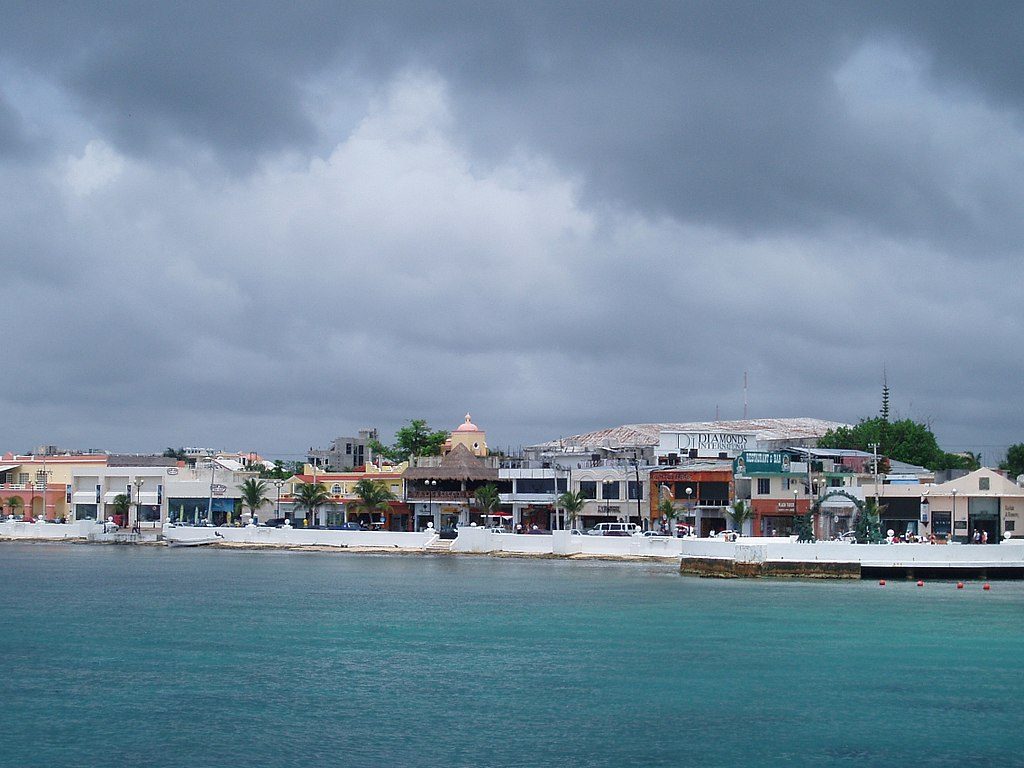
343	504
700	492
441	489
36	486
160	489
140	479
983	500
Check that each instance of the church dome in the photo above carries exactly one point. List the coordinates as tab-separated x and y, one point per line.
468	426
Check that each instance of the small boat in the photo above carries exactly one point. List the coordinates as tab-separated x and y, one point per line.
192	542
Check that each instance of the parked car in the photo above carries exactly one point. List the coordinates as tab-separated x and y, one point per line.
448	532
614	529
274	522
352	525
657	534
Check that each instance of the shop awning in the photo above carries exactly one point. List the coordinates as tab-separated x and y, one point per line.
8	467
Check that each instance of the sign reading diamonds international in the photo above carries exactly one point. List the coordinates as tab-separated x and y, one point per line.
761	463
706	444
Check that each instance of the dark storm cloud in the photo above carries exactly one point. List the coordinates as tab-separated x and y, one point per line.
258	224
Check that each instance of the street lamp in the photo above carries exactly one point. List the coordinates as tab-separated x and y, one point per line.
431	484
139	482
693	509
277	484
952	517
209	503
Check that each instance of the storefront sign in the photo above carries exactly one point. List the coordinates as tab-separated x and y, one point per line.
707	444
218	489
761	462
172	470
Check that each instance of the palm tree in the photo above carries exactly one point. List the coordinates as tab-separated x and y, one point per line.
121	506
14	503
311	497
487	499
572	503
374	496
668	511
254	495
740	512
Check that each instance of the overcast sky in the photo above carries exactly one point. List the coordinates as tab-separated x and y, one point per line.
259	226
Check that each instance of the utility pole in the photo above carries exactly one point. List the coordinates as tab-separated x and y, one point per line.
874	452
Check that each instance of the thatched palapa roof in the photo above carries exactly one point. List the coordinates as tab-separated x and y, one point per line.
460	464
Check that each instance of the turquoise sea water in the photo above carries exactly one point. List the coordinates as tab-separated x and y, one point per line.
122	656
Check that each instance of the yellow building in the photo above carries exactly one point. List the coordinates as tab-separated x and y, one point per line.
37	486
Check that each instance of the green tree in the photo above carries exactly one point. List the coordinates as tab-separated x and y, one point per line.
740	512
14	503
254	495
487	499
572	502
869	526
1013	465
311	497
374	496
803	526
121	505
415	439
176	453
904	440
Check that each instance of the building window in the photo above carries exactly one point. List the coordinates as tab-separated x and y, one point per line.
610	489
1008	525
85	511
23	478
588	489
336	489
785	483
535	485
714	494
983	483
635	490
348	448
764	486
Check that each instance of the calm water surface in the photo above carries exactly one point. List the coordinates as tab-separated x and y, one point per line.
122	656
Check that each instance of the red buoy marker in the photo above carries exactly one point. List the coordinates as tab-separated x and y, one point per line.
959	585
920	583
987	587
881	582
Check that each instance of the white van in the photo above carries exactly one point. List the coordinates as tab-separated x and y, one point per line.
614	529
